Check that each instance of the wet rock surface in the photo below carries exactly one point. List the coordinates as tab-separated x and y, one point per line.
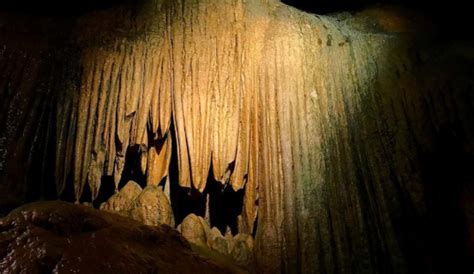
61	237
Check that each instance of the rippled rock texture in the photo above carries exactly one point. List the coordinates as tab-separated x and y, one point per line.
60	237
350	137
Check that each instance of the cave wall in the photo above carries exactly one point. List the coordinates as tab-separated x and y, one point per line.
351	136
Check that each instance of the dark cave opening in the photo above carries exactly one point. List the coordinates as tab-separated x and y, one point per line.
184	201
107	189
219	204
132	170
225	205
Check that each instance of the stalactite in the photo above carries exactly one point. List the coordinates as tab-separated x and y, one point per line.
159	157
265	96
321	121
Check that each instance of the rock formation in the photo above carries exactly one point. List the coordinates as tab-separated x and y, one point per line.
341	134
124	200
239	247
149	206
195	229
58	237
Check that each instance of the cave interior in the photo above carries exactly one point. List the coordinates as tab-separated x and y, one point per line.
287	136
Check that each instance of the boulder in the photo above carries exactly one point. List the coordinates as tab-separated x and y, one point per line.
124	199
195	229
217	242
152	207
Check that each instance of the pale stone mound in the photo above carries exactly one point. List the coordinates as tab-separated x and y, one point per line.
195	229
152	207
239	247
123	200
217	242
149	206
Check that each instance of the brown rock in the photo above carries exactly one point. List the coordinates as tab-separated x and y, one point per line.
229	238
303	111
217	242
152	207
195	229
124	199
242	251
60	237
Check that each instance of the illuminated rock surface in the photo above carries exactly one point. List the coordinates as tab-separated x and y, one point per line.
61	237
149	206
351	136
195	229
124	199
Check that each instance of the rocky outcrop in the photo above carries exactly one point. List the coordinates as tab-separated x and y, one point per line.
58	237
149	206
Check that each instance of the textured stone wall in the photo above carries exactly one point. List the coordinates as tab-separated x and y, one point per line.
335	127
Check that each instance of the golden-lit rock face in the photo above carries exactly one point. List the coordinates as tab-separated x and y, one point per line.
325	124
149	206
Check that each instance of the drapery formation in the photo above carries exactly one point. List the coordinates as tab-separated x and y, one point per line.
322	122
177	69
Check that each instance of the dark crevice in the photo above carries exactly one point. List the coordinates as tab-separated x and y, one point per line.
184	201
255	225
225	205
86	196
132	170
106	190
68	192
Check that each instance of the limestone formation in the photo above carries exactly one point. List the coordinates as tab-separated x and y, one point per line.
242	250
152	207
331	127
59	237
217	242
239	247
195	229
123	200
149	206
229	238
